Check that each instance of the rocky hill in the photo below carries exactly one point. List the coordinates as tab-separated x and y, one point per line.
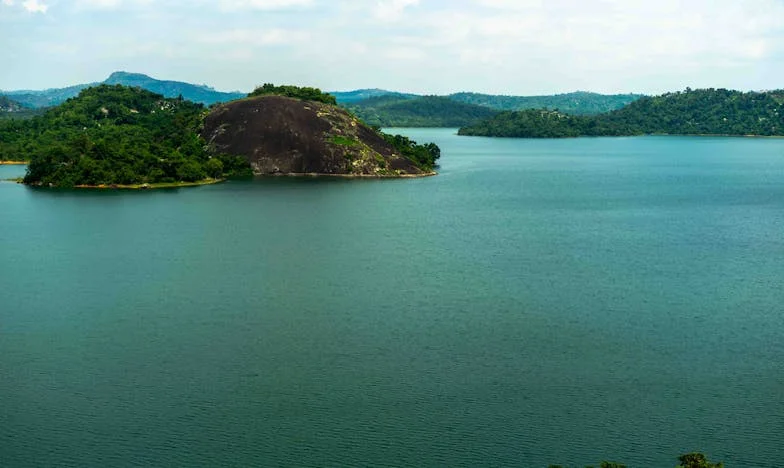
285	135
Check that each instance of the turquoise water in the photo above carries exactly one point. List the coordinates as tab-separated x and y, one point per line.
537	302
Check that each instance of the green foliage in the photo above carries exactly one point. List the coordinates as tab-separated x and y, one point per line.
341	140
697	460
113	135
578	103
427	111
304	93
424	156
692	112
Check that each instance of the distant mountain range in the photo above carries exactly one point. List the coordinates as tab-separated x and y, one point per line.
196	93
376	106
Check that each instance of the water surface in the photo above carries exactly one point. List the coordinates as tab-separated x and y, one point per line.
540	301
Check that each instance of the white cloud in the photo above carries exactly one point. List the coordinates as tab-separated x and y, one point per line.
392	10
34	6
8	2
233	5
236	39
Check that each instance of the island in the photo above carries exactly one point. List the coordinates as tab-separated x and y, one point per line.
115	136
690	112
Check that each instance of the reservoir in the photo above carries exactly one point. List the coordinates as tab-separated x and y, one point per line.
538	302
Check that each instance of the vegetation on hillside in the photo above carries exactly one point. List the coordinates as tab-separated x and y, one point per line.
689	460
426	111
424	155
349	97
577	103
692	112
304	93
12	109
115	135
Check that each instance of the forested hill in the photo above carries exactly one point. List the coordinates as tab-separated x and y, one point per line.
426	111
578	103
114	135
197	93
691	112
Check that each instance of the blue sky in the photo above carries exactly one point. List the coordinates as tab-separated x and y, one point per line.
425	46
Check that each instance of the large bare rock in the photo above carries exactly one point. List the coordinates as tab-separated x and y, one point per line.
280	135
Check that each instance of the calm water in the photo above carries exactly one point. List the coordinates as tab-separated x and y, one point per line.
538	302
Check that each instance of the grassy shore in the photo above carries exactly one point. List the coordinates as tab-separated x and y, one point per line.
13	163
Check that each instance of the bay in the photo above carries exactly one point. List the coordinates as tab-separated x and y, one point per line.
538	302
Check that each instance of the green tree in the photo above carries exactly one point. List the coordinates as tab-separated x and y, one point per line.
697	460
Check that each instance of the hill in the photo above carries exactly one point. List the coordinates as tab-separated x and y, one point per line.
426	111
11	109
115	135
348	97
280	133
578	103
202	94
197	93
692	112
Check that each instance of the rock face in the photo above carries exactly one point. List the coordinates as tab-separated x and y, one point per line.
280	135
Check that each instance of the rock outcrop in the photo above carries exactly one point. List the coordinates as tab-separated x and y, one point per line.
285	136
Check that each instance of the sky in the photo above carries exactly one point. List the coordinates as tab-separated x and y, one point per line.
521	47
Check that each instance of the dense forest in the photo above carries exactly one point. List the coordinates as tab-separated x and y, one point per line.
426	111
115	135
691	112
577	103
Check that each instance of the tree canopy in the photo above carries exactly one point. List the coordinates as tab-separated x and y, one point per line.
304	93
691	112
425	111
114	135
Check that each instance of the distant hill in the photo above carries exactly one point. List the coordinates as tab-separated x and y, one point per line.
201	94
9	105
692	112
171	89
348	97
425	111
11	109
577	103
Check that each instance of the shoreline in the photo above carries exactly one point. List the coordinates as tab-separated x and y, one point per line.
13	163
163	185
348	176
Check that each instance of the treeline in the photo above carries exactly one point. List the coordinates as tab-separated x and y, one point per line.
424	155
692	112
426	111
305	93
577	103
115	135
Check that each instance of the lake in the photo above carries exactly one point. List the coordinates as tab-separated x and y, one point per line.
538	302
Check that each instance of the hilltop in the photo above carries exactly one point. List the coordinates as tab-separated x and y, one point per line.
691	112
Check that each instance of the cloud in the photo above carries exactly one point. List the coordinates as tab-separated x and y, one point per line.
34	6
237	39
392	10
233	5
